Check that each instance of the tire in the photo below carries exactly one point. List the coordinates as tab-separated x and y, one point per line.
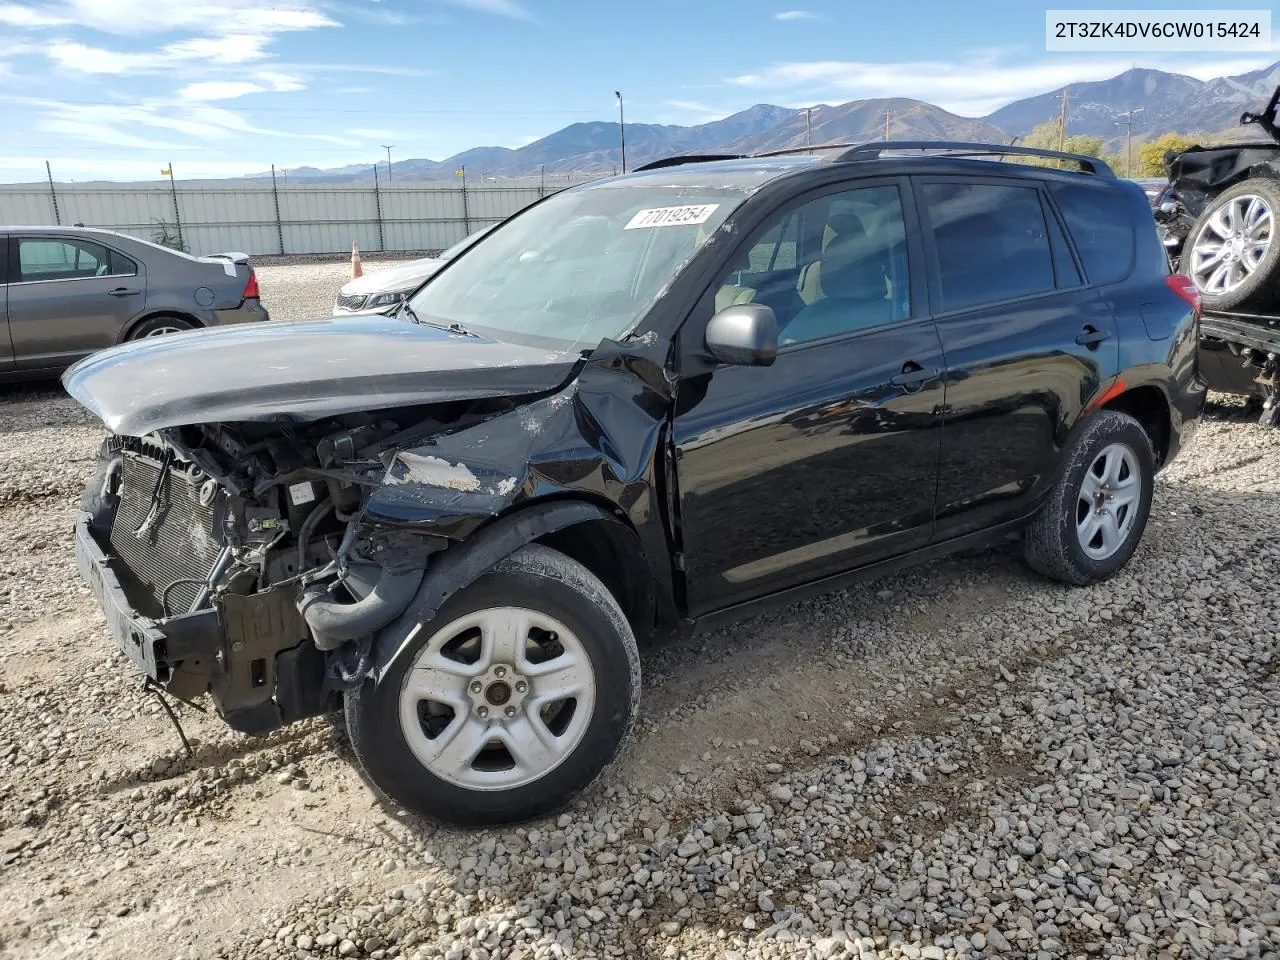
414	748
1240	225
1055	542
160	326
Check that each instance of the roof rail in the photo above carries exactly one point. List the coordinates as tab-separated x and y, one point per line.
686	158
787	151
872	151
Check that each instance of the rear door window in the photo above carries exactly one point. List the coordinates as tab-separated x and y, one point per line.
1100	221
41	258
991	242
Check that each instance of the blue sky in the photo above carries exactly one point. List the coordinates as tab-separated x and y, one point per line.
114	89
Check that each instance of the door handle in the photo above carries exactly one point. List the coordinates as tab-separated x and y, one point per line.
1091	336
123	292
914	375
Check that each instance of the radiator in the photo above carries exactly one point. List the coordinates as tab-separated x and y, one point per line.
179	544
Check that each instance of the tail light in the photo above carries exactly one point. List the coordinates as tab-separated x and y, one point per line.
1186	288
251	288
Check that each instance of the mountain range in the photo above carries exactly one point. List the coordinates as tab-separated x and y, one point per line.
1161	102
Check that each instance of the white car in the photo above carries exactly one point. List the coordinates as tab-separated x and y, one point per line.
382	291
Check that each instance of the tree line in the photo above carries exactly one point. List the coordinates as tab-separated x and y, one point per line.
1148	155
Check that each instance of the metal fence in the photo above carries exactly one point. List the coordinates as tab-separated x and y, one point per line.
278	218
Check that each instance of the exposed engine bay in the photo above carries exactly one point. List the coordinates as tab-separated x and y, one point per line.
250	542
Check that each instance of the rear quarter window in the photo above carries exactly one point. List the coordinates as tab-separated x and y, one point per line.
1100	219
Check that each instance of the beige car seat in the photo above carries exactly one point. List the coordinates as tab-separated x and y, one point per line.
841	225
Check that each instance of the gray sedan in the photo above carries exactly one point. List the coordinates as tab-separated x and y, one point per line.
66	292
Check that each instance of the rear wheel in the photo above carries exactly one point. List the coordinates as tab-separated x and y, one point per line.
160	327
1232	253
510	701
1093	518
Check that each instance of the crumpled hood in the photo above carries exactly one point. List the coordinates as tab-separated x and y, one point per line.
387	279
304	370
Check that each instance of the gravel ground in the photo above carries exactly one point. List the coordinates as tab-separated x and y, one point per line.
961	761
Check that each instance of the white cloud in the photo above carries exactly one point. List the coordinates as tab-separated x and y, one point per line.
219	90
134	17
790	15
691	105
970	86
197	120
503	8
376	68
203	52
692	112
280	82
91	130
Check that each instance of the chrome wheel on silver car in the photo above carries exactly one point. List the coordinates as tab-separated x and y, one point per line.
1232	244
1106	507
161	325
497	698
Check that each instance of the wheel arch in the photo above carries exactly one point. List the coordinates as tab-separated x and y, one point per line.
1148	405
146	315
586	532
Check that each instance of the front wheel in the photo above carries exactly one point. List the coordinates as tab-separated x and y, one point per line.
510	701
1093	519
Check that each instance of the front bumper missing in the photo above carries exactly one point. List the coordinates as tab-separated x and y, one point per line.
178	652
252	653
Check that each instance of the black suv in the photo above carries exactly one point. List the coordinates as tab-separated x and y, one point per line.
644	403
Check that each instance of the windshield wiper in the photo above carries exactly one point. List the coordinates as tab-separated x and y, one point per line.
405	308
451	327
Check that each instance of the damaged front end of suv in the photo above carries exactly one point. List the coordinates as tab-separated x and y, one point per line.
452	523
255	558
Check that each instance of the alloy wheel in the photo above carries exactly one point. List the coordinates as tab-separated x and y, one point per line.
1232	244
1107	505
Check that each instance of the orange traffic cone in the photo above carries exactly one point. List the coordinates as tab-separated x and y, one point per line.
356	269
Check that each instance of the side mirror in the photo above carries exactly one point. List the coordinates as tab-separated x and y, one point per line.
745	334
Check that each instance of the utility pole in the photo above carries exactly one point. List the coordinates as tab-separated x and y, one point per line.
1128	139
53	194
387	147
622	131
808	127
1062	120
887	115
173	189
1062	124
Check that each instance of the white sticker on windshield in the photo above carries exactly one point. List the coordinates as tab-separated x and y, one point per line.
672	216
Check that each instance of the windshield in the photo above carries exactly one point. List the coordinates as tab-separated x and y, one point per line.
579	267
468	240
